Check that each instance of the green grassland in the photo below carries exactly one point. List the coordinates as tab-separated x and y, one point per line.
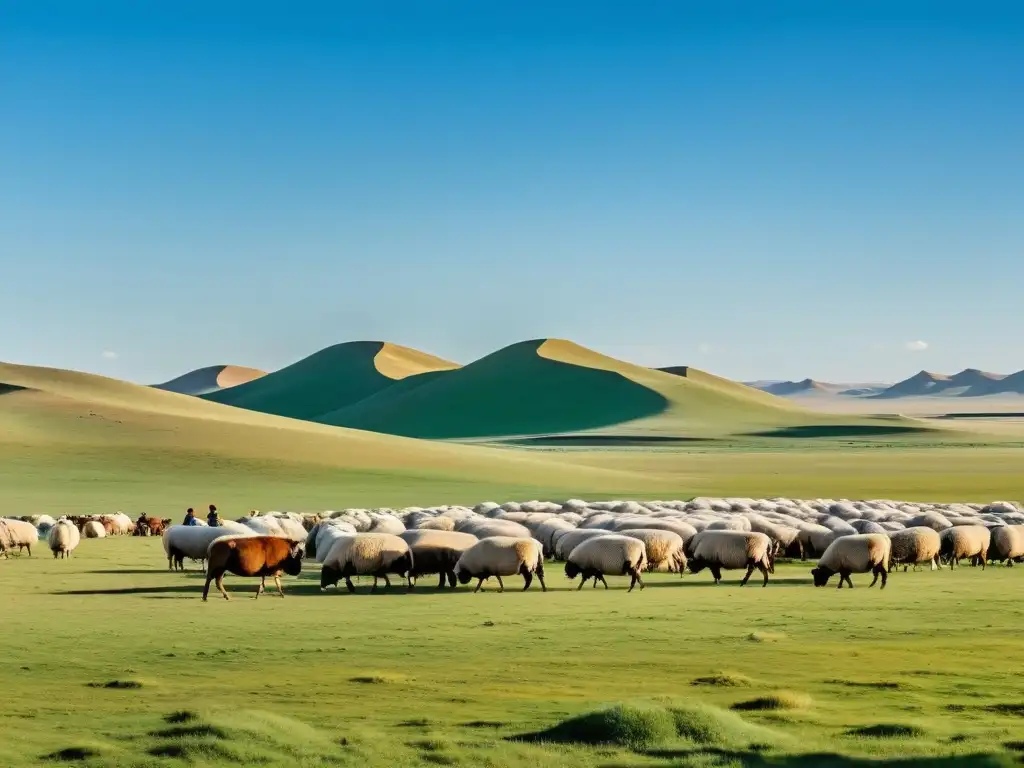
111	660
74	442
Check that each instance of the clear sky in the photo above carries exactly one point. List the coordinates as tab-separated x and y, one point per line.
764	190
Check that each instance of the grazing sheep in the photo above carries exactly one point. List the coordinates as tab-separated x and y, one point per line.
93	530
569	540
252	556
929	519
664	548
860	553
502	556
1007	544
911	546
867	526
484	528
612	555
435	551
63	538
549	531
439	523
367	554
715	550
964	541
17	533
192	541
322	535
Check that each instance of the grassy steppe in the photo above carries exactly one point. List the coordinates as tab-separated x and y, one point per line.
110	660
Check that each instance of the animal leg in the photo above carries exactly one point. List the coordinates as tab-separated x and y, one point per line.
501	584
716	572
206	587
885	578
764	572
479	584
261	588
443	577
540	578
349	584
374	587
528	577
387	581
277	581
750	570
220	586
874	571
603	581
582	582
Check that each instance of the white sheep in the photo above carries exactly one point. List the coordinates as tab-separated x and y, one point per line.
567	541
192	541
715	550
911	546
483	528
965	541
611	555
860	553
17	533
547	533
63	538
1007	544
323	535
367	554
502	556
93	529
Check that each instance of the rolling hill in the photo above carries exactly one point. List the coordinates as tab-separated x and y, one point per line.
555	387
72	441
214	378
331	379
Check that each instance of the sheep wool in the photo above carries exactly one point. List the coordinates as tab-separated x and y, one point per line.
716	549
502	556
94	530
569	540
1007	544
612	555
861	553
911	546
664	548
17	533
63	538
964	541
367	554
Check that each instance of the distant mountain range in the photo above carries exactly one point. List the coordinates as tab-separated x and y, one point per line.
969	382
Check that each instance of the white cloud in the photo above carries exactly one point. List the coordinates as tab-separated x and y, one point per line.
916	346
704	348
108	355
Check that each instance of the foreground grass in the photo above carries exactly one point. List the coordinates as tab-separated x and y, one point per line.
110	660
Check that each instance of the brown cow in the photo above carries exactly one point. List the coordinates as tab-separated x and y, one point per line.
252	556
156	525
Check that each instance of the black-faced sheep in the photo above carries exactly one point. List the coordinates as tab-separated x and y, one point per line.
502	556
861	553
716	549
367	554
612	555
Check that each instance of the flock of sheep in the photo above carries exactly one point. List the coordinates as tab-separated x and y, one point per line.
62	535
599	539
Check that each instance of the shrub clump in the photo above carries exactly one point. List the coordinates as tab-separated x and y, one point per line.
887	731
634	726
725	680
775	701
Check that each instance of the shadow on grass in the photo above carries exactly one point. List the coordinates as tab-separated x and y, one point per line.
841	430
828	760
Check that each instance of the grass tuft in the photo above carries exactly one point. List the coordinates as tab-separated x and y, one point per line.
633	726
72	754
766	637
181	716
378	679
118	685
887	731
712	726
1007	709
725	680
775	701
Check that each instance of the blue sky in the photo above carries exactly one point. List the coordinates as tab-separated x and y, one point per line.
805	189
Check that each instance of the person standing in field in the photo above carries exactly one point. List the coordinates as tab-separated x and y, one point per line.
190	518
212	519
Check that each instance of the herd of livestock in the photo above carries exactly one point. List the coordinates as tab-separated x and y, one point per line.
593	539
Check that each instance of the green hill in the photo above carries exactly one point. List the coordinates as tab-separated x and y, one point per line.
330	379
76	442
551	386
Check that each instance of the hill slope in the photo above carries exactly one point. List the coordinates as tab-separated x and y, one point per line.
550	386
203	381
969	381
330	379
102	444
